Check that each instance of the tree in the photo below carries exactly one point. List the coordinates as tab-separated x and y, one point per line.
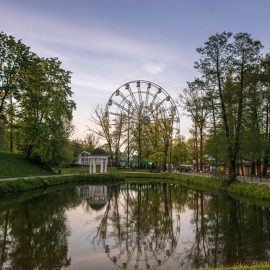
102	128
180	152
91	141
265	79
12	57
225	64
195	103
35	103
46	110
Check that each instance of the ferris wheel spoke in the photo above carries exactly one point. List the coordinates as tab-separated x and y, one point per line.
147	94
132	95
120	106
139	92
120	115
170	109
126	100
161	102
154	98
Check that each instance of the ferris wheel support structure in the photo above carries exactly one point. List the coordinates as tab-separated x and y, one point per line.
141	106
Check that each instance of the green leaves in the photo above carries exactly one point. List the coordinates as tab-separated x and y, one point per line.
35	101
229	65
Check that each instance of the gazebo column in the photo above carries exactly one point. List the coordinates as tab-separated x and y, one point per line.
94	166
105	165
101	164
90	166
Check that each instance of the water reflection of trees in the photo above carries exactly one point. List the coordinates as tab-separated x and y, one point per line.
141	227
227	232
33	234
138	227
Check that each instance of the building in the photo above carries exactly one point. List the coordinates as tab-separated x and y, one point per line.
98	161
83	158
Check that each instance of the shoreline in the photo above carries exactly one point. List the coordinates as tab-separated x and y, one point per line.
21	185
258	194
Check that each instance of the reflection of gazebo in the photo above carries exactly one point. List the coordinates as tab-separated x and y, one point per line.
99	158
96	196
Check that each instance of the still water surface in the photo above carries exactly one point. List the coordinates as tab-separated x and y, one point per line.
131	225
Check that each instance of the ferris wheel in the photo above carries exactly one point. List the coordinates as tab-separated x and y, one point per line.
135	107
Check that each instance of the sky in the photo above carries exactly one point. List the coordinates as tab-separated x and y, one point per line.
106	43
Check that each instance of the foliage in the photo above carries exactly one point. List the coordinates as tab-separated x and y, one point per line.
76	146
180	152
195	101
35	103
234	89
237	188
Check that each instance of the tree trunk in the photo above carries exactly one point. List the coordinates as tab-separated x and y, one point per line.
201	147
232	169
228	134
267	139
28	151
265	166
252	168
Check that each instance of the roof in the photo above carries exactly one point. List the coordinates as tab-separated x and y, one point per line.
99	152
85	152
97	205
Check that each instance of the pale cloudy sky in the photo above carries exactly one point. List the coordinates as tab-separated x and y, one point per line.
106	43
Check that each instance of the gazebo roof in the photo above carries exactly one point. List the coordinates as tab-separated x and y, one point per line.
97	205
99	152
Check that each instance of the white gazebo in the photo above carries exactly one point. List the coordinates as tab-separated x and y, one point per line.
98	159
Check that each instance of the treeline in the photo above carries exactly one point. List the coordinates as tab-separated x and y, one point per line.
35	104
229	104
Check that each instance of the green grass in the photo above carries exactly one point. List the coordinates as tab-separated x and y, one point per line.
73	170
259	266
23	185
249	192
12	165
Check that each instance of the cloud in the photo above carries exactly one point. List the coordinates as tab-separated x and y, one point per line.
65	34
153	68
100	58
96	83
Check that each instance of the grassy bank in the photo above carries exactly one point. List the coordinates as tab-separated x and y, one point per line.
262	266
22	185
250	192
16	166
236	189
239	190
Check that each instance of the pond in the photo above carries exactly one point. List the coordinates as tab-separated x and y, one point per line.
133	225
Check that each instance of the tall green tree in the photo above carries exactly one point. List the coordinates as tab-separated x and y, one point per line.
225	64
194	100
46	110
12	58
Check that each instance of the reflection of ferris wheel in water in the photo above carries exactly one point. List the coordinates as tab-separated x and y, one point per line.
140	228
135	109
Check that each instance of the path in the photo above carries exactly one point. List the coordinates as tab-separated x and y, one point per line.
247	179
36	176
